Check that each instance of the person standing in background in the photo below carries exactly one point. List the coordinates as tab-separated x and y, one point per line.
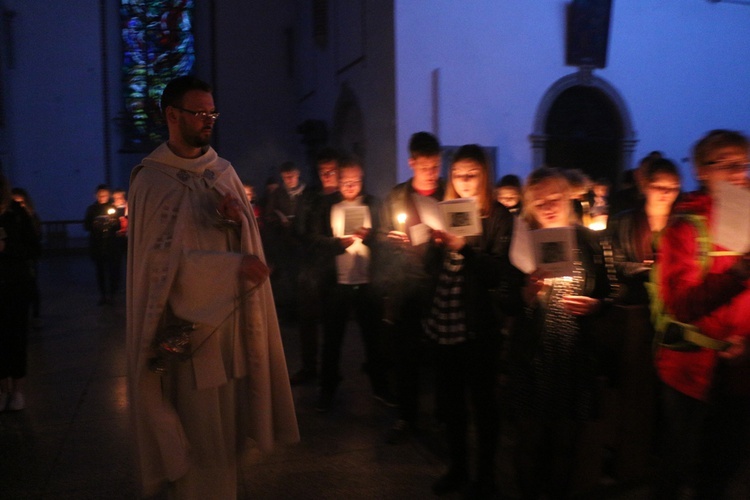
19	244
102	223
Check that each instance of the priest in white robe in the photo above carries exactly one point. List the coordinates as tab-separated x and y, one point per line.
195	262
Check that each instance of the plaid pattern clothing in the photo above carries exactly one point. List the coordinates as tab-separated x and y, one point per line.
446	322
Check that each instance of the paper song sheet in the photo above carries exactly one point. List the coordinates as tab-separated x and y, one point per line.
731	218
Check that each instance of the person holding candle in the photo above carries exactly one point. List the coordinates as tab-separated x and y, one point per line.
401	276
554	372
102	223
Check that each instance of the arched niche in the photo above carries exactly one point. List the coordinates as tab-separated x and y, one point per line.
582	117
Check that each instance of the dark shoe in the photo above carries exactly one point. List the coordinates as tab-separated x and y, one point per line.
449	482
302	376
325	401
386	399
399	433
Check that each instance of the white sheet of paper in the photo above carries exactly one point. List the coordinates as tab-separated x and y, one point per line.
731	217
355	218
521	247
429	211
461	216
554	250
419	234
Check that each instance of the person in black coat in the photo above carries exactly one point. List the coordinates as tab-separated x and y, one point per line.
102	223
463	324
19	244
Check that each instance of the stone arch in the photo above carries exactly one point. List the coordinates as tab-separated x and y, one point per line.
598	88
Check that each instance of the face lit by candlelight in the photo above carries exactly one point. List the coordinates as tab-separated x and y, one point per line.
550	203
426	170
466	177
103	196
727	164
350	182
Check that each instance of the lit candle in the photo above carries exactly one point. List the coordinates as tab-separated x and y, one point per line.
401	218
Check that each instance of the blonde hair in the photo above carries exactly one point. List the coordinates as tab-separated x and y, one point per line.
537	177
473	153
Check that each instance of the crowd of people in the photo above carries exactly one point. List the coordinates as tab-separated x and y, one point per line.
629	312
561	352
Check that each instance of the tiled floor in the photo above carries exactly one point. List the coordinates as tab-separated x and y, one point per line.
73	440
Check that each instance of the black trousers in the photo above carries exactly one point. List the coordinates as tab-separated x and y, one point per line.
467	378
341	302
705	443
108	273
14	323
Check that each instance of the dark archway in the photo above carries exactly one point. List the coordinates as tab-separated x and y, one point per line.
582	122
584	130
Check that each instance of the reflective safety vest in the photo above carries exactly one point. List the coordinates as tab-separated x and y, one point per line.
670	333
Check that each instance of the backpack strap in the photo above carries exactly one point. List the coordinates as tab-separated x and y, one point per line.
670	333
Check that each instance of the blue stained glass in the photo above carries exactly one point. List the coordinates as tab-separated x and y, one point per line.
158	45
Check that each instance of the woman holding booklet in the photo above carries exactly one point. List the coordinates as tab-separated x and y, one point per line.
554	369
461	321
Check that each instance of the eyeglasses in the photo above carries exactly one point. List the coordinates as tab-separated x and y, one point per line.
199	114
728	166
351	184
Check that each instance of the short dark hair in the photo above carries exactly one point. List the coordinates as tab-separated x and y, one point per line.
509	180
178	87
288	166
103	187
716	139
423	144
660	166
326	155
350	161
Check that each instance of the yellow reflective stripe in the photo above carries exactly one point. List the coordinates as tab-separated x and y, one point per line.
725	253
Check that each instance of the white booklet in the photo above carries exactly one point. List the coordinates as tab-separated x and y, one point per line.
730	227
549	250
554	249
459	217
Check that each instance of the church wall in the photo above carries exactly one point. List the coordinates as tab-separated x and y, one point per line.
680	66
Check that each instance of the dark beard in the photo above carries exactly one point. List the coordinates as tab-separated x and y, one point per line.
198	141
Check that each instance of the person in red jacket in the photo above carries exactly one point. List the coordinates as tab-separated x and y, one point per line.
706	390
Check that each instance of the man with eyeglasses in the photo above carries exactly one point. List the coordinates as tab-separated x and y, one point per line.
705	376
206	366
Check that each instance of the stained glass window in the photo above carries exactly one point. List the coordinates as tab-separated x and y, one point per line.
158	46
